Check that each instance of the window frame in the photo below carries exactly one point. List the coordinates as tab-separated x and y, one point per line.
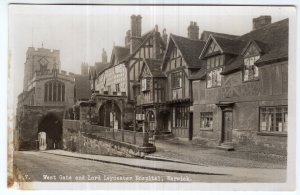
214	63
253	65
284	119
51	89
202	116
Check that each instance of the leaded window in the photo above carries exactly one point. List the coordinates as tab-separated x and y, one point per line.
54	91
206	120
250	70
274	119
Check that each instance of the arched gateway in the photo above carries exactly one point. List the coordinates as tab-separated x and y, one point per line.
52	126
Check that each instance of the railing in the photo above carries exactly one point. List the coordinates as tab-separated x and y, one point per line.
131	137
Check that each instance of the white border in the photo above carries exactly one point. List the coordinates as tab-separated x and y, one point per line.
293	106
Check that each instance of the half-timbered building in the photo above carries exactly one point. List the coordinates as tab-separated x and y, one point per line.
241	97
152	97
180	60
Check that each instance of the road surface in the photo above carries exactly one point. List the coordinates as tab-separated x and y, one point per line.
37	166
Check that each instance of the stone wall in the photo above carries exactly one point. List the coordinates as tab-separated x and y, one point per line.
90	139
28	119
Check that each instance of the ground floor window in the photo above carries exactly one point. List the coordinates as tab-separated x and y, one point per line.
206	119
180	116
273	119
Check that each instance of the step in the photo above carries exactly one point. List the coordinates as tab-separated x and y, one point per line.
226	147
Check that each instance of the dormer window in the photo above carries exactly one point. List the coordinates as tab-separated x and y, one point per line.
214	69
250	70
251	55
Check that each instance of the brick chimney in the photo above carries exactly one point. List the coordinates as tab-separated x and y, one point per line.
193	31
136	32
104	56
165	36
261	21
156	44
127	39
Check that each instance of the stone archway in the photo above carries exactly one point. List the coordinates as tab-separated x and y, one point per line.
110	115
52	126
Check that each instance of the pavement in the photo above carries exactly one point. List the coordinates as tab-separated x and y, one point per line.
178	150
179	167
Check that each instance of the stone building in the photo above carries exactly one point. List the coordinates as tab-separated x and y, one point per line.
240	96
47	92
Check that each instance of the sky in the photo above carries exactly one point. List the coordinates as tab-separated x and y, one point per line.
80	32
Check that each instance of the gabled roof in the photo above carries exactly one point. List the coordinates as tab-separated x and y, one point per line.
226	36
82	87
271	39
199	75
119	54
154	66
144	38
190	50
97	69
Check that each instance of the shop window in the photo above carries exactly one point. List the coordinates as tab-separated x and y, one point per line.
206	120
274	119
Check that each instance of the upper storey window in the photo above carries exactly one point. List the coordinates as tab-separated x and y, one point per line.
214	69
54	91
176	85
214	64
250	70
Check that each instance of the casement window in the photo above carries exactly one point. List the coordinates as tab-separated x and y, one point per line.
176	85
214	70
250	70
206	120
180	116
176	80
213	78
54	91
146	84
274	119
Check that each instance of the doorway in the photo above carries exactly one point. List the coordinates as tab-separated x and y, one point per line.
227	126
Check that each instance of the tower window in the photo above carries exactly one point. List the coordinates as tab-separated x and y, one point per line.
54	91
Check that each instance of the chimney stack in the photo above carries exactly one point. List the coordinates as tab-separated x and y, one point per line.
104	56
156	44
261	21
136	32
165	36
127	39
193	31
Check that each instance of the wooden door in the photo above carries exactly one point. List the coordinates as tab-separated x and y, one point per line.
227	126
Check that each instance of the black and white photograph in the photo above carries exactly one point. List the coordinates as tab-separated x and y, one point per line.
177	95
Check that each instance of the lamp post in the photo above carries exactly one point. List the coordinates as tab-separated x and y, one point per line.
134	119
